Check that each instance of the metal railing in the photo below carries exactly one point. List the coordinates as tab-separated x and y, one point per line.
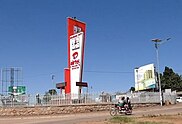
71	99
147	97
52	100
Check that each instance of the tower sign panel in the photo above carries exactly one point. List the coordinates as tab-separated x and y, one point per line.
76	53
76	43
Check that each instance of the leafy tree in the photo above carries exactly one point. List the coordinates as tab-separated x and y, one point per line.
47	97
52	92
171	80
132	89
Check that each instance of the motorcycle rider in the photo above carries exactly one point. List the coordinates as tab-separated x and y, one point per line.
129	103
121	102
121	107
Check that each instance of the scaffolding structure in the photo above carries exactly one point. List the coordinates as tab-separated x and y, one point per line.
10	77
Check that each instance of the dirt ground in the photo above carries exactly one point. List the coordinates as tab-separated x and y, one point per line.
171	114
165	115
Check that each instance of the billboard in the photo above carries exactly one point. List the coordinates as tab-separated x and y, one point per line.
145	77
17	90
76	43
76	53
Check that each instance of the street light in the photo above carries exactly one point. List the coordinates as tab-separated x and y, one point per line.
52	77
157	43
136	70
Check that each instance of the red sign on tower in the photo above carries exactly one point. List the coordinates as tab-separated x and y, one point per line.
76	44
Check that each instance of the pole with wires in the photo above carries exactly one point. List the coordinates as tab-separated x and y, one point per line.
157	43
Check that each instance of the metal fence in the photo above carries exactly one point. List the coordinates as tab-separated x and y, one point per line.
52	100
152	97
70	99
169	97
145	97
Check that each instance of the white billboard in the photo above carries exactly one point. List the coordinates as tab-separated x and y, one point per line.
76	55
145	77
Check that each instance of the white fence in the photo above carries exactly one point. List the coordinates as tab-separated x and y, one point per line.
57	100
152	97
51	100
148	97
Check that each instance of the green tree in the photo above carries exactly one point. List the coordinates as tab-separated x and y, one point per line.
132	89
48	95
52	92
171	80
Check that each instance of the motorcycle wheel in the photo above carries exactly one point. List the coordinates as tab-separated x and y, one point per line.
113	112
128	113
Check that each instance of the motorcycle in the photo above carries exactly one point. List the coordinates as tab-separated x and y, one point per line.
120	110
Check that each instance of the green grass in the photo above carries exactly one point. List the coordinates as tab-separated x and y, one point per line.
121	120
147	122
130	120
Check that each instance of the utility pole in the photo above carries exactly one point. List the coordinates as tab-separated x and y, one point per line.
157	43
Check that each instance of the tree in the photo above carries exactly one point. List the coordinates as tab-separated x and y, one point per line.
48	95
171	80
132	89
52	92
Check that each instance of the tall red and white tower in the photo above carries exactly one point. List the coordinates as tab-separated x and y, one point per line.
76	44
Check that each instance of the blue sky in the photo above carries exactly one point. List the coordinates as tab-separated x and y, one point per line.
33	35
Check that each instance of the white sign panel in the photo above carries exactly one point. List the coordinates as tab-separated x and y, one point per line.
145	77
76	54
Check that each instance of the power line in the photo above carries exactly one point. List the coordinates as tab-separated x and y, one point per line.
112	72
87	71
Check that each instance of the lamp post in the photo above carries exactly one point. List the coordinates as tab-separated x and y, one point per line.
157	43
52	77
136	70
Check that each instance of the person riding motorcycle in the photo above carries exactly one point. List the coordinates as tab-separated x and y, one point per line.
128	102
121	102
122	107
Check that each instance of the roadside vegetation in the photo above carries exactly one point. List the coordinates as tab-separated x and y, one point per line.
160	119
171	80
131	120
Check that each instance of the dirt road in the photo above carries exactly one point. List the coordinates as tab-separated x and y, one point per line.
89	117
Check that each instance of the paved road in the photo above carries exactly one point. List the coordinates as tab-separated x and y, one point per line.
86	117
